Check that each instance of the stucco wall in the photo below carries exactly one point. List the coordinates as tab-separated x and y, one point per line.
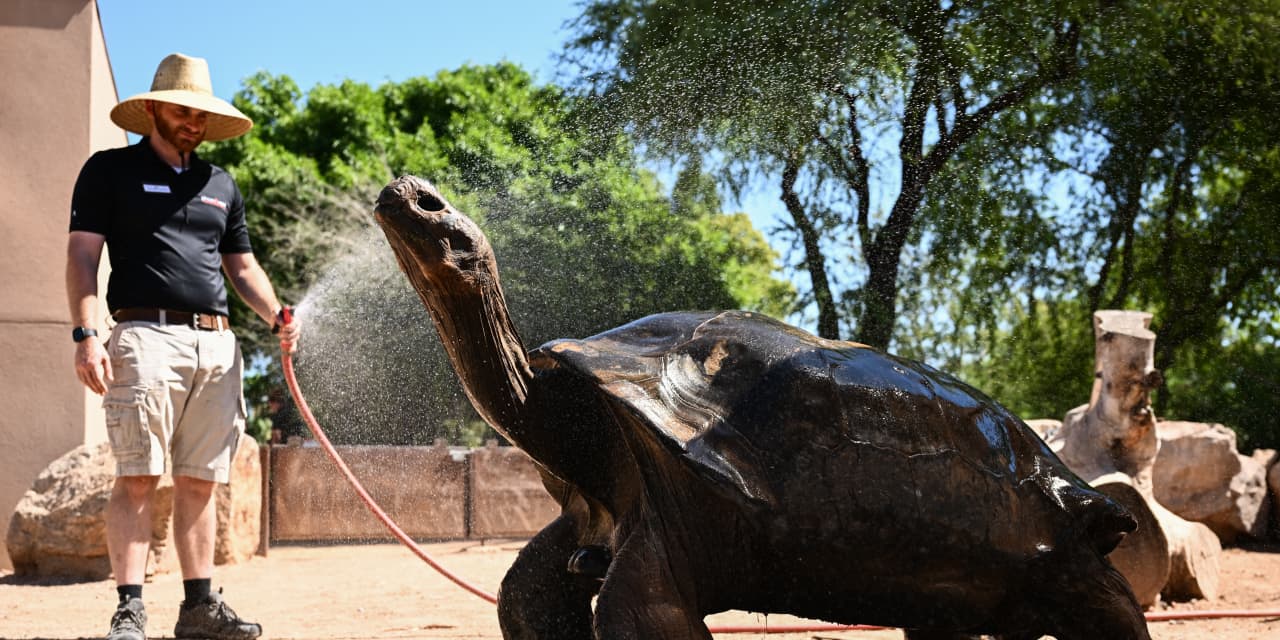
430	492
506	497
53	115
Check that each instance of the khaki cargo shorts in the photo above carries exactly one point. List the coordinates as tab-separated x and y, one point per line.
175	402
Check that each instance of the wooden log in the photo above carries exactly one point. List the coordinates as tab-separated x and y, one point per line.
1111	443
1143	556
1194	551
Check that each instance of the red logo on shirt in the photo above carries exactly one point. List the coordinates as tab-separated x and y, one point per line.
215	202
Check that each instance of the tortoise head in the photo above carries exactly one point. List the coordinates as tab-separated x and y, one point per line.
450	264
428	234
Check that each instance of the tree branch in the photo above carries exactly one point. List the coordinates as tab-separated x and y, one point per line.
815	262
1061	66
1128	200
854	170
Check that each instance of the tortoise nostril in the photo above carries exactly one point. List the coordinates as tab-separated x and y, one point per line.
428	202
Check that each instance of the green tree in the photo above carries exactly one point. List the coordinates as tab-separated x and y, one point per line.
1236	385
807	92
1193	171
1015	166
1152	184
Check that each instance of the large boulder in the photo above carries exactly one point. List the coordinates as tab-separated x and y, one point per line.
240	505
1046	428
59	529
1273	481
1273	478
1200	475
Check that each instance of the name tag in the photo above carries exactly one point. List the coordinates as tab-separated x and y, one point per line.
156	188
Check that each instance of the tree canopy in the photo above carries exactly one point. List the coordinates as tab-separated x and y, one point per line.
1149	184
972	179
813	94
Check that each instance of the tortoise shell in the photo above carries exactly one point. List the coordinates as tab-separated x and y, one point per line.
738	395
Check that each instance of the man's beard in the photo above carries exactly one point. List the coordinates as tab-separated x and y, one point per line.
170	134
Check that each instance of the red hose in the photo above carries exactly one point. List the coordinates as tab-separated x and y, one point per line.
1209	614
382	516
305	411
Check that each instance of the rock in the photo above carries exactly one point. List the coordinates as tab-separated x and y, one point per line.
1273	481
1264	526
58	528
239	506
1044	427
1194	553
1199	475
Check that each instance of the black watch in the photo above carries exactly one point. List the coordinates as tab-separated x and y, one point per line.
80	333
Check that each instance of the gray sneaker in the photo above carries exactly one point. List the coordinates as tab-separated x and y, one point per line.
129	621
212	619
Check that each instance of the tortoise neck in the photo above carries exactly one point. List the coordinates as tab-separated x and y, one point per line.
470	313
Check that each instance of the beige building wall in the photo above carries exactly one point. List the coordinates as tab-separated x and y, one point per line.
53	115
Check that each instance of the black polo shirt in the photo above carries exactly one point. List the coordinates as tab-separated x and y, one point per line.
166	231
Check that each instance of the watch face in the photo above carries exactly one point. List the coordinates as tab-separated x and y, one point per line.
80	333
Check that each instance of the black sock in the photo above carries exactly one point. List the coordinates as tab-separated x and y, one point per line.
197	590
127	591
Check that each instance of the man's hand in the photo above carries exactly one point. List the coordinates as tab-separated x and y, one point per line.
288	329
84	250
93	366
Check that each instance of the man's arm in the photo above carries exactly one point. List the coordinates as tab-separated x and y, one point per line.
84	251
254	287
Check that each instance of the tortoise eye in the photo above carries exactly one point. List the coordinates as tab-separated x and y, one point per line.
428	202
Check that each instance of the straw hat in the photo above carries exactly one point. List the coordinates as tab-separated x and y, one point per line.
183	80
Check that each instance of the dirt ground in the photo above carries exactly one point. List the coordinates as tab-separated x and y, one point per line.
357	592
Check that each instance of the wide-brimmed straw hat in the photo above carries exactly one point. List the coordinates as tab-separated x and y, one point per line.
183	80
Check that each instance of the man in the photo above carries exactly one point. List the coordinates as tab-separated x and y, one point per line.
171	370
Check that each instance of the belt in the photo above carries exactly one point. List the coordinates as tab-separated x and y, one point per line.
205	321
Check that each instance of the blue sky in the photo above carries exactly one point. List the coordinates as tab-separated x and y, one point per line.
325	42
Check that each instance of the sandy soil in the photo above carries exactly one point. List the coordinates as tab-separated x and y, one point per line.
384	591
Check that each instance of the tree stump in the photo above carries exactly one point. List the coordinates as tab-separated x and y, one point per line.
1111	443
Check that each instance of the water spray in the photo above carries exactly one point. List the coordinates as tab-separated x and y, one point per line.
305	412
286	315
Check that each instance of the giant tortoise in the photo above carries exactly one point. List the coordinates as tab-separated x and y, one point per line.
712	461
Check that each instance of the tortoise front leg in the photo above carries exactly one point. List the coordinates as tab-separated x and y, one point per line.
540	599
640	599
